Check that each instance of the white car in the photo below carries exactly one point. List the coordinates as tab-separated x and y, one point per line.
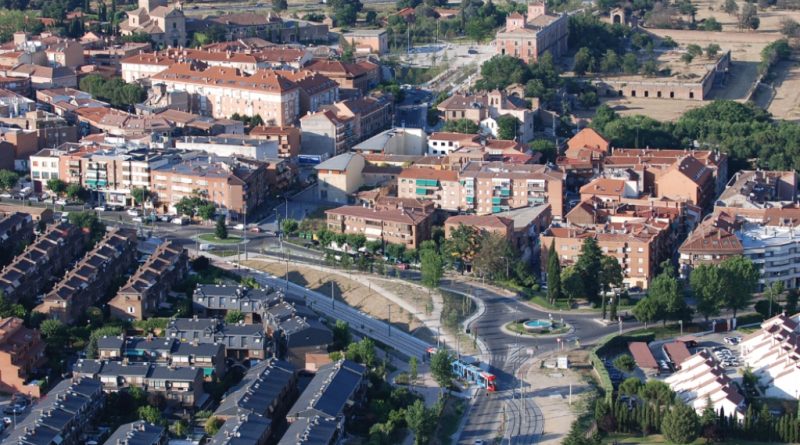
238	227
100	208
134	212
137	219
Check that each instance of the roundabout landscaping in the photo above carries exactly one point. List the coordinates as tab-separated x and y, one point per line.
538	328
212	239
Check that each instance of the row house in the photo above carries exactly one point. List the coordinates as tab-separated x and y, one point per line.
63	417
42	262
314	430
298	338
244	428
354	79
241	341
222	92
333	392
267	389
148	287
701	379
528	36
215	301
16	232
288	139
486	108
773	355
395	226
139	433
90	280
209	357
21	356
180	386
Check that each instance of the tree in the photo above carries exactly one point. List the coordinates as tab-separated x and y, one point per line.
712	50
56	186
665	290
180	428
431	267
279	5
789	27
708	284
742	277
680	424
572	284
441	368
213	424
610	277
773	293
610	62
206	211
625	363
8	179
52	329
421	421
362	352
289	226
151	414
76	192
709	423
546	147
345	12
657	392
553	274
630	63
140	195
748	17
462	245
711	24
792	298
583	62
589	266
508	127
341	335
630	386
495	256
730	7
501	71
648	310
221	231
694	49
465	126
90	222
413	369
687	58
234	316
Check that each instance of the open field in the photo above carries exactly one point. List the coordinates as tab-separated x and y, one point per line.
770	18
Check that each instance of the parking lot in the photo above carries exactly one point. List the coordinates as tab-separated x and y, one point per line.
722	346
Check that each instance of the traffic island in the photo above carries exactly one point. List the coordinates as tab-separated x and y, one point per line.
212	239
538	327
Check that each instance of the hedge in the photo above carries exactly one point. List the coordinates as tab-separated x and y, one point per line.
609	343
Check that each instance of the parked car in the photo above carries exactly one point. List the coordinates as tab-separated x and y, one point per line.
238	227
134	212
137	219
100	208
181	220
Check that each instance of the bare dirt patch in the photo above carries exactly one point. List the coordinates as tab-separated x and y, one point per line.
785	91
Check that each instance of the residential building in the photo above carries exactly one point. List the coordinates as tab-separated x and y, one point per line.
316	430
371	115
62	417
375	41
148	287
316	90
16	146
529	223
529	36
138	433
36	213
114	122
712	241
243	429
288	139
188	124
444	143
45	77
701	379
21	355
332	393
165	24
753	191
144	65
644	358
340	177
396	141
773	355
442	187
241	341
485	108
16	232
14	105
65	52
230	145
42	262
271	27
354	79
327	134
482	223
91	278
494	187
610	190
298	337
583	157
209	357
222	92
397	225
215	301
44	167
267	389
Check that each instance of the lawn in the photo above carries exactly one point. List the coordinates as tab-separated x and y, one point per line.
211	238
659	439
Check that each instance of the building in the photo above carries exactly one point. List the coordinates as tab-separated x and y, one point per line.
583	157
442	187
14	105
16	146
444	143
38	214
331	393
396	141
327	134
701	379
21	355
230	145
243	429
144	66
298	337
354	79
370	115
16	232
340	177
316	430
529	36
288	139
485	109
165	24
375	41
138	433
267	389
65	52
222	92
45	77
62	417
711	242
243	26
316	90
757	190
215	301
42	262
643	357
395	225
148	287
482	223
92	277
773	354
241	341
209	357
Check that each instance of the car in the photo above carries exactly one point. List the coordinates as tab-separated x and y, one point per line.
181	221
255	229
238	227
100	208
401	266
164	218
480	442
61	202
7	420
137	219
472	51
134	212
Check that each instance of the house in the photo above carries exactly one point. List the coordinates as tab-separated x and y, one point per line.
138	433
326	134
215	301
210	357
16	146
243	429
316	90
165	24
529	36
354	79
501	226
316	430
62	417
677	353
331	393
609	189
16	232
21	355
45	77
14	105
375	41
444	143
177	385
241	341
267	389
442	187
340	177
38	214
396	226
297	337
147	288
485	109
701	379
773	354
757	190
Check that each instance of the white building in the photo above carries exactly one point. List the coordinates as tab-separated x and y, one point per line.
773	353
396	141
44	167
444	143
774	248
700	379
260	149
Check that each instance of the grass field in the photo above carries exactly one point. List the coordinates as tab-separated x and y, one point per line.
211	238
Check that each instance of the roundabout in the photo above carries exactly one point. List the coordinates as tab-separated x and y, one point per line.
542	328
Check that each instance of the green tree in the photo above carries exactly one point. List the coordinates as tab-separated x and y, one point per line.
553	274
657	392
76	192
610	277
789	27
413	369
441	368
572	284
730	7
431	267
711	24
289	226
610	62
584	62
665	290
140	195
421	421
508	127
709	423
680	424
709	286
625	363
712	50
52	329
279	5
180	428
213	424
8	179
648	310
462	245
589	266
495	256
341	335
206	211
501	71
630	63
221	231
748	17
742	277
151	414
362	352
630	386
546	147
694	49
57	186
687	58
234	316
465	126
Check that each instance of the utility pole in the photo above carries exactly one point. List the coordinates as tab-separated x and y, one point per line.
333	300
244	229
389	322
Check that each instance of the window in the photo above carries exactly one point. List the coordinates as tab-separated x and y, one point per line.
131	310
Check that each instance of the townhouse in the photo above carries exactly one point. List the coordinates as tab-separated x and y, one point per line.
42	262
486	108
332	393
209	357
391	225
16	232
701	379
773	354
39	215
89	281
70	409
288	139
315	430
21	355
221	92
215	301
243	429
241	341
298	337
148	287
529	36
267	389
138	433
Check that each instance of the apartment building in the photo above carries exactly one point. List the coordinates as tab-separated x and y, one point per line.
209	357
215	301
529	36
396	226
583	157
316	90
316	430
494	187
44	167
354	79
485	108
90	280
444	143
701	379
271	27
148	287
482	223
370	115
332	393
442	187
139	433
773	355
221	92
233	184
267	389
288	139
375	41
16	232
340	177
241	341
144	66
68	411
230	145
749	192
327	134
13	104
42	262
21	355
165	24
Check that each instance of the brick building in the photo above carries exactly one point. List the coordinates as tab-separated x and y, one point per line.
288	139
355	79
21	355
528	36
396	226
